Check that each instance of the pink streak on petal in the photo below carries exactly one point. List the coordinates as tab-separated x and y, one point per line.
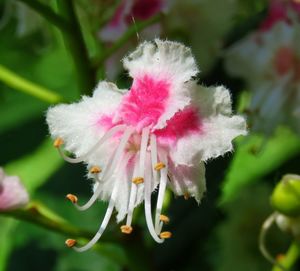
183	123
285	60
13	195
146	101
277	12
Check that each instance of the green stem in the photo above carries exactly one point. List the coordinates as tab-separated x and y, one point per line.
16	82
133	30
39	214
290	258
75	43
48	14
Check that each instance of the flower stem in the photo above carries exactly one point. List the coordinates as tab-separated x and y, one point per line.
290	258
133	30
75	43
39	214
19	83
48	14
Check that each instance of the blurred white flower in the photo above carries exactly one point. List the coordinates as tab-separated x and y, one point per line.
269	62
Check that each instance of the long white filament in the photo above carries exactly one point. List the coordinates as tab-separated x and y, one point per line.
161	193
133	192
262	240
147	192
108	213
114	164
106	136
163	181
153	147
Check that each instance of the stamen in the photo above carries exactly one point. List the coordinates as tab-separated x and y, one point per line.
72	198
58	142
164	219
133	192
126	229
262	240
106	136
138	180
108	213
159	166
147	189
165	235
117	157
161	193
153	147
186	195
95	170
70	242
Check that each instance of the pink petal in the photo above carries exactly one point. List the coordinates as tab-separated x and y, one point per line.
13	194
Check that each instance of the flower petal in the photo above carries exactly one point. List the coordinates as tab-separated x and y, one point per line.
78	124
188	181
218	128
166	62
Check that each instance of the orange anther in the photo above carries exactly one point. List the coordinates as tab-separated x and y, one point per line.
95	169
138	180
72	198
165	235
70	242
58	142
126	229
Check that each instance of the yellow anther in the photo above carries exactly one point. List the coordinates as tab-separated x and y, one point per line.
72	198
126	229
58	142
95	169
164	219
165	235
70	242
138	180
186	195
159	166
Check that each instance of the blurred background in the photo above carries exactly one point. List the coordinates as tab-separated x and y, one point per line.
56	50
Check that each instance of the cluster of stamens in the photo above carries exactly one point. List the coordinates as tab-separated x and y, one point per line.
142	175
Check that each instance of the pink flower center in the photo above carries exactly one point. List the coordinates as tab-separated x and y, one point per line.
286	61
142	107
146	101
183	123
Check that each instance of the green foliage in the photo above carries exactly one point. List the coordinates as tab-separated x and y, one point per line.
255	158
34	169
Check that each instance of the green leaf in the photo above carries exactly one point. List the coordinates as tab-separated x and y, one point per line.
248	166
34	169
7	226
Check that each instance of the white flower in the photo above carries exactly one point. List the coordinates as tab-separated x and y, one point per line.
159	133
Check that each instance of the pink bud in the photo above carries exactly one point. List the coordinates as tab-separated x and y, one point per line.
13	194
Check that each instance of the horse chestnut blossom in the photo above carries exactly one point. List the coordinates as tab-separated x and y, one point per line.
269	61
13	194
157	134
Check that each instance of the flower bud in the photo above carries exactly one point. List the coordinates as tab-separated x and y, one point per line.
286	196
13	194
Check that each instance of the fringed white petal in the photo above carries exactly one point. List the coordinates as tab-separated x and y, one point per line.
218	128
215	140
77	124
188	181
168	61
